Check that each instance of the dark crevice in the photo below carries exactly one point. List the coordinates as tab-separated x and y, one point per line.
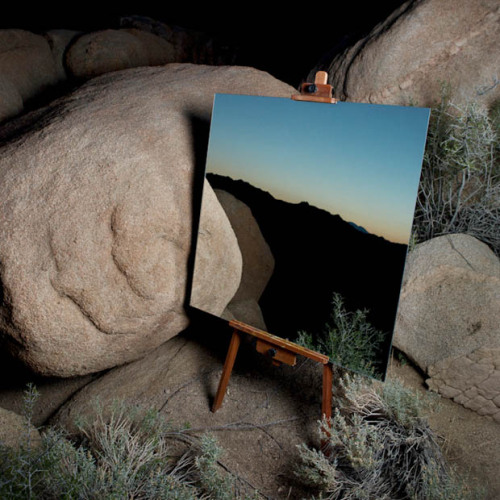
450	241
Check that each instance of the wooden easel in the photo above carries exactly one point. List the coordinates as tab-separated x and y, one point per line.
278	349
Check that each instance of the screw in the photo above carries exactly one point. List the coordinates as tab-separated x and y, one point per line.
311	89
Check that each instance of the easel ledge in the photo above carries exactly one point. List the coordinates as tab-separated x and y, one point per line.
279	342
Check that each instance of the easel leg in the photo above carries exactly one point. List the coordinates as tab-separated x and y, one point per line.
226	372
326	403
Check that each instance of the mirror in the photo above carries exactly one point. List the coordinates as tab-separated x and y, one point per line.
319	199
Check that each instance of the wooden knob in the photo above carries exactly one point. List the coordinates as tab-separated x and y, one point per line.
321	77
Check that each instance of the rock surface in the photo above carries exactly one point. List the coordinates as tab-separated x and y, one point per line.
449	316
31	63
99	52
472	381
218	265
52	392
27	68
96	204
258	261
16	431
405	58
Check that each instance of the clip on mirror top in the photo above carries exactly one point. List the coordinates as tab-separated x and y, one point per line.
319	91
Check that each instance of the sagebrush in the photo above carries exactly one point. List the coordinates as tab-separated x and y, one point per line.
130	453
348	339
379	446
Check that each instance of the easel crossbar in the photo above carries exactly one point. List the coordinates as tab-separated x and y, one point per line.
280	342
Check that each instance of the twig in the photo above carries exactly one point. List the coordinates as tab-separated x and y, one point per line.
483	90
202	375
242	425
242	479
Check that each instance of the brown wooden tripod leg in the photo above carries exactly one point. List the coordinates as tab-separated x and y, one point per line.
326	403
228	368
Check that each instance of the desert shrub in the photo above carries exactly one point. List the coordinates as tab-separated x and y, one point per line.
209	476
348	339
19	467
378	445
131	453
459	188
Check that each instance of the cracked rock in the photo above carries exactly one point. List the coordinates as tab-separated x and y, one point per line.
477	387
448	319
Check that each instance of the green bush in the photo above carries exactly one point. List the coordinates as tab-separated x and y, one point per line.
459	189
378	445
348	339
132	453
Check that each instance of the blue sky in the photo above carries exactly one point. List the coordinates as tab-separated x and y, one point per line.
361	161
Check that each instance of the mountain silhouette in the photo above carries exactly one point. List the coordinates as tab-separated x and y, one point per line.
359	228
316	254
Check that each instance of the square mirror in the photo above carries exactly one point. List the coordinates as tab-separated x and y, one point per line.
317	208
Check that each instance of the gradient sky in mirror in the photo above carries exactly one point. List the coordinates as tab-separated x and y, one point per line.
361	161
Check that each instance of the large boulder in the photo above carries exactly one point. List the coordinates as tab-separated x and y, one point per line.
258	261
150	381
27	68
423	43
449	316
99	52
96	215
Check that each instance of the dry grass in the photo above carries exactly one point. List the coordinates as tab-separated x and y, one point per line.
459	189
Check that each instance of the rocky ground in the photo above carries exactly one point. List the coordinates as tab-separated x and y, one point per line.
266	412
